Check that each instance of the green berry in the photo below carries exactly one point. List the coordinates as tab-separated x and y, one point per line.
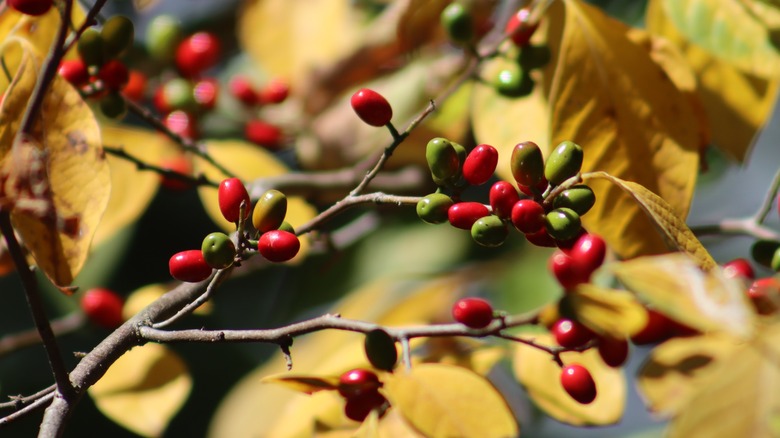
286	226
775	262
218	250
442	158
163	36
433	208
579	198
563	224
513	82
527	164
763	251
113	105
380	350
179	94
533	57
489	231
90	47
564	162
118	34
270	211
457	21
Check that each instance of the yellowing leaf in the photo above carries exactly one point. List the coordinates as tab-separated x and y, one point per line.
733	30
663	216
304	383
248	162
608	312
676	286
419	22
446	401
144	389
541	377
61	170
677	369
304	415
40	30
146	295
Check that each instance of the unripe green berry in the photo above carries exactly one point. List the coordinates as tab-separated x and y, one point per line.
380	350
113	106
163	36
489	231
527	164
270	211
442	158
564	162
775	262
433	208
763	251
563	224
179	95
513	82
286	226
579	198
218	250
118	34
90	47
457	21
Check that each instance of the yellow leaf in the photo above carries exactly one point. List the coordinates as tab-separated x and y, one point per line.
146	295
676	286
541	377
40	30
735	112
419	22
609	312
393	425
306	384
305	416
677	369
248	162
735	31
663	216
62	169
144	389
446	401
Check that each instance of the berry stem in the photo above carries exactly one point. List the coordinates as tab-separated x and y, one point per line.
406	351
769	199
215	281
200	180
93	13
60	326
351	201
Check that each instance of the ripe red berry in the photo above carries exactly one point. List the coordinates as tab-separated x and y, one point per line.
136	86
613	352
578	383
182	124
231	194
357	408
160	101
739	268
567	271
571	334
205	93
275	91
463	215
589	251
503	197
189	266
103	307
114	75
480	164
541	187
657	329
197	53
371	107
278	245
74	71
521	36
358	381
179	164
764	293
242	89
540	238
31	7
528	216
263	133
473	312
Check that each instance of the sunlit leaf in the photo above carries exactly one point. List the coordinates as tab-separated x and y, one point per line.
40	30
143	389
443	400
607	312
304	383
541	377
464	353
676	286
146	295
419	22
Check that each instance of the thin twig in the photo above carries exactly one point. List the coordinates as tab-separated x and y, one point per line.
32	407
92	13
769	200
737	227
61	326
194	181
18	402
351	201
191	307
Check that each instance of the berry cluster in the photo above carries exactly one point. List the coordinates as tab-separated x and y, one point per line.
360	389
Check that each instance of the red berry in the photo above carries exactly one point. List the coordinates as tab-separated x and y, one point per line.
160	101
480	164
571	334
197	53
205	93
189	266
103	307
263	133
179	164
371	107
739	268
464	214
182	124
528	216
136	86
567	271
613	352
114	75
578	383
540	238
242	89
357	408
273	92
503	197
764	293
473	312
278	245
74	71
658	329
231	194
31	7
358	381
522	36
541	187
589	251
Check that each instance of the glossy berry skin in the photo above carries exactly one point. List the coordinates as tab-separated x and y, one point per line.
578	383
278	246
489	231
433	208
179	164
739	268
463	215
579	198
263	133
473	312
540	238
371	107
179	95
118	34
657	329
356	382
503	198
567	271
231	194
527	164
218	250
274	92
197	53
571	334
513	82
589	251
442	158
74	71
114	75
181	123
564	162
31	7
562	224
205	93
535	191
189	266
613	352
90	47
242	89
103	307
764	293
269	211
357	408
480	164
135	87
527	216
522	36
380	350
456	20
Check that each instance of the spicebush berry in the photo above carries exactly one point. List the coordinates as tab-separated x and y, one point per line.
264	134
269	211
518	29
442	158
513	82
472	312
564	162
578	383
197	53
739	268
562	224
579	198
503	198
456	20
480	164
613	352
357	408
489	231
356	382
163	35
103	307
189	266
218	250
380	350
571	334
278	246
527	164
90	47
231	194
74	71
31	7
589	251
118	34
528	216
113	105
567	271
433	208
463	215
371	107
